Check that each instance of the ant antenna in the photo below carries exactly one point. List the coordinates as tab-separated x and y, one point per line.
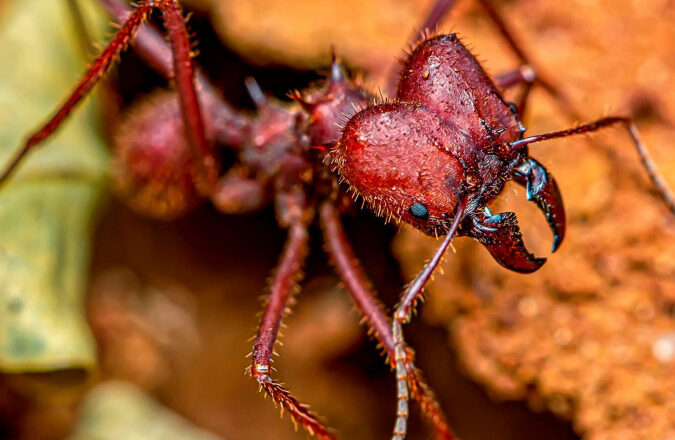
647	162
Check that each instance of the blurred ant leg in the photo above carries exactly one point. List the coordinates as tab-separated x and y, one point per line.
542	80
236	193
440	9
229	125
359	288
96	70
180	42
152	47
181	47
111	101
291	210
402	315
148	42
438	12
650	167
523	75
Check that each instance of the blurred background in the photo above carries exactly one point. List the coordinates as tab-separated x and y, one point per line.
117	326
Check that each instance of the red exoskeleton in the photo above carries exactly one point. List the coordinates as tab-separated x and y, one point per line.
433	156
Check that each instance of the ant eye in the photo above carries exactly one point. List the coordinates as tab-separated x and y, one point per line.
419	210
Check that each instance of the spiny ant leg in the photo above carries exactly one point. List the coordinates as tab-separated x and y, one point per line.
650	167
110	101
184	77
359	288
402	315
96	70
345	261
148	42
292	211
229	125
184	74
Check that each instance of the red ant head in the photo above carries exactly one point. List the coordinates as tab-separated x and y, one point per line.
393	156
448	136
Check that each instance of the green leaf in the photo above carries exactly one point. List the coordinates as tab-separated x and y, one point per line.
48	208
117	410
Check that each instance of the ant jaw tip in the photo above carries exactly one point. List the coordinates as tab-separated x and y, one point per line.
533	265
557	241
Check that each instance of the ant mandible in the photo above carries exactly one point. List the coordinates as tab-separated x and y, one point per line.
434	157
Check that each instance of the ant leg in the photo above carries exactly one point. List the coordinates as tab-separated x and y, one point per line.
184	75
402	315
440	9
540	79
110	101
236	193
650	167
229	125
148	42
522	75
184	78
97	69
359	288
291	210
